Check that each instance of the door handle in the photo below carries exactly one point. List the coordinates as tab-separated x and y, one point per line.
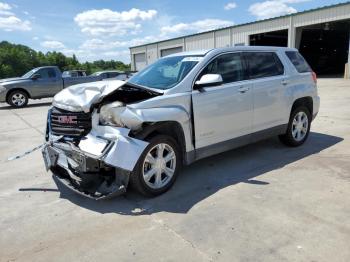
285	82
243	89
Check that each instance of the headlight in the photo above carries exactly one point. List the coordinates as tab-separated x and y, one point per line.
2	88
110	114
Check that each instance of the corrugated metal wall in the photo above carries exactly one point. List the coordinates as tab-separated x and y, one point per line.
222	38
152	54
202	41
238	35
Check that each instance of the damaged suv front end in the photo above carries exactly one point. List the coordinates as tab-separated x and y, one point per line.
96	132
90	158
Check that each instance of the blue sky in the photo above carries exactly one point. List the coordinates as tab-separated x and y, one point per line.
105	29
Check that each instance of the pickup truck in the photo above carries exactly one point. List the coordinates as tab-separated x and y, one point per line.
38	83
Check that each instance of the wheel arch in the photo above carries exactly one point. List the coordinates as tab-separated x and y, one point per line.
303	101
16	89
170	128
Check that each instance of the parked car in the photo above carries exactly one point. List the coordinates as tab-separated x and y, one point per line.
74	73
182	108
120	75
38	83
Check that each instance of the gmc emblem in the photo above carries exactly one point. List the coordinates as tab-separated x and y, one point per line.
67	119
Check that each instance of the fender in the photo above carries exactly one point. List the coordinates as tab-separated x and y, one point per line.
135	118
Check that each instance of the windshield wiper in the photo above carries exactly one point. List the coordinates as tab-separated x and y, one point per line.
149	89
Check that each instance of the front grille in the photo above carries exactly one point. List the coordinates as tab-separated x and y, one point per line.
80	127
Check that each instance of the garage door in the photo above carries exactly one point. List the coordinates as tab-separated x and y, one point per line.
170	51
140	61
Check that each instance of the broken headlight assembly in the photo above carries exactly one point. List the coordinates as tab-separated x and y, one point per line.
110	114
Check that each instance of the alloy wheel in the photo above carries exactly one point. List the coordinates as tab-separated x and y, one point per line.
159	166
300	126
18	99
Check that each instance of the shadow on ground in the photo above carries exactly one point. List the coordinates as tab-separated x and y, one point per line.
7	107
205	177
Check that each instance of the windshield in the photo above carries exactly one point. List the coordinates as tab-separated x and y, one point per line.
96	74
166	72
30	73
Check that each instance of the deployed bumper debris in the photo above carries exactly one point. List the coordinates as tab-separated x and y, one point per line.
96	165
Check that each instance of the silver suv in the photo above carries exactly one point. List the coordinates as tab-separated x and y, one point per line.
182	108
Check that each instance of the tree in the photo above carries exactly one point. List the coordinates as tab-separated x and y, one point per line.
16	60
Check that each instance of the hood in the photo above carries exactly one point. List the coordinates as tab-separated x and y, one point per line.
13	79
81	97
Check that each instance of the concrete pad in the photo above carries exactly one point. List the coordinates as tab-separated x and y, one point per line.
262	202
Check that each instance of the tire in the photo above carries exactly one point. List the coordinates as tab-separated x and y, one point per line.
149	176
298	127
17	99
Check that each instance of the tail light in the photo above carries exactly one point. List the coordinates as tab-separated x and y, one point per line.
314	77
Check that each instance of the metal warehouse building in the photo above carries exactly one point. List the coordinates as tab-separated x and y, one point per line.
321	35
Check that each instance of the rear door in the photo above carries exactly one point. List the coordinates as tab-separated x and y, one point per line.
267	76
223	112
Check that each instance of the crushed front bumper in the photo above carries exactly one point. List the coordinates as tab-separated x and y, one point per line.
83	173
97	167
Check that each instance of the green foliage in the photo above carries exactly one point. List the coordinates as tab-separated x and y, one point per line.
16	60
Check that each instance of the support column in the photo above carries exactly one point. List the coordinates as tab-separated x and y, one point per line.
291	33
132	62
146	54
349	49
214	38
298	35
347	66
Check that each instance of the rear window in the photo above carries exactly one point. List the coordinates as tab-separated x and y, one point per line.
298	61
264	64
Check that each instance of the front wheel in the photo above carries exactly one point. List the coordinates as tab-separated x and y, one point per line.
298	127
17	98
158	166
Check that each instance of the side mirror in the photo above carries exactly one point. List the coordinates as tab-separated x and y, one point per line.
209	80
35	76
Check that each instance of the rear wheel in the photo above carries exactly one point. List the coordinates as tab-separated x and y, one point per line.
17	98
298	127
158	166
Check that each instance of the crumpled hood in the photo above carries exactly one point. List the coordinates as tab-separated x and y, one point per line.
81	97
13	79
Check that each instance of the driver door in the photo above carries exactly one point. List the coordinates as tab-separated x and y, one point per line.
224	111
48	84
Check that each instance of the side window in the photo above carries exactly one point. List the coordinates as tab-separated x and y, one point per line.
263	64
121	77
229	66
51	73
111	75
47	73
298	61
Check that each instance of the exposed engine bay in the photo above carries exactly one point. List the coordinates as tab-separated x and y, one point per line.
91	157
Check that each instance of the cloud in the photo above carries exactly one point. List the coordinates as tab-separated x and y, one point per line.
102	45
273	8
230	6
10	22
88	55
198	26
108	22
52	44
